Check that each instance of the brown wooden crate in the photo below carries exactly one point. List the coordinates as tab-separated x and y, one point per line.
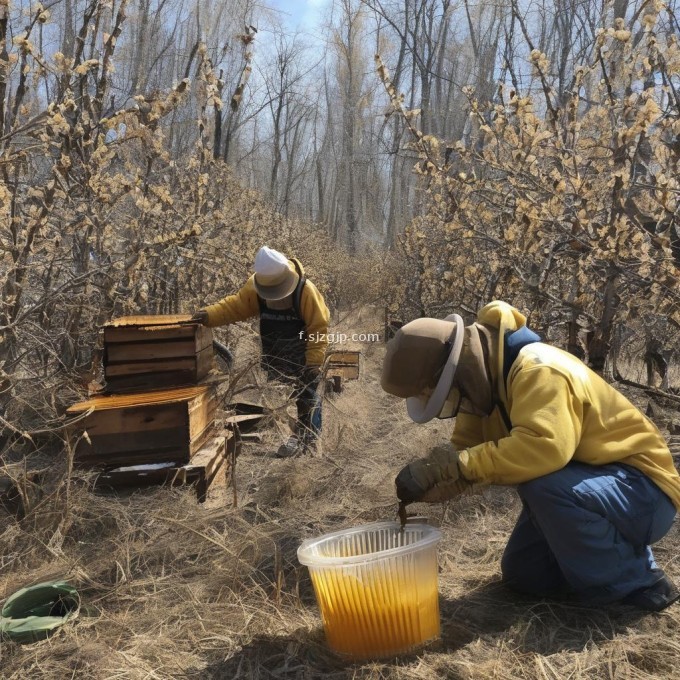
144	427
343	365
138	356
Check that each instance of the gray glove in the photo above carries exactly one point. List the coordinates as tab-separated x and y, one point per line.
434	479
200	317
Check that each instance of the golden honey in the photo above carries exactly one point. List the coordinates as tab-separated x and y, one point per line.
373	606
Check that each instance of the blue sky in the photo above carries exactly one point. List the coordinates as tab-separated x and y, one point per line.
303	14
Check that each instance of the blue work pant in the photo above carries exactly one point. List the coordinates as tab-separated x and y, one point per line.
586	530
307	399
308	404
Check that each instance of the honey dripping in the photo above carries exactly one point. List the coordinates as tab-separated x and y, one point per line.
401	513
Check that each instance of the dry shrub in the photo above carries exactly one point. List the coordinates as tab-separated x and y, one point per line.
173	589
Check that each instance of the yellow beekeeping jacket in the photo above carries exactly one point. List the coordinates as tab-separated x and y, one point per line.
560	411
245	305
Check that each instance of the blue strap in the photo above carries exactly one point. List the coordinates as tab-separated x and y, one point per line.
512	344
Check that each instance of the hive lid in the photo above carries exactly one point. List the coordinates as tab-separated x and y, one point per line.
149	320
104	402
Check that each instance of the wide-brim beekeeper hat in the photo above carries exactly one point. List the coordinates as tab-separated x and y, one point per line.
420	365
274	278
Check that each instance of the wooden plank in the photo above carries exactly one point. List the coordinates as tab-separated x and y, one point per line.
148	320
128	341
253	417
251	437
343	358
116	334
164	366
148	351
205	465
201	413
200	439
205	457
136	418
114	401
245	408
245	422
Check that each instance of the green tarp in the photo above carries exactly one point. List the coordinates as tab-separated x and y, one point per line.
35	612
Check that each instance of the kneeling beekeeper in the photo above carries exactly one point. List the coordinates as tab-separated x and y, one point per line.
293	331
596	479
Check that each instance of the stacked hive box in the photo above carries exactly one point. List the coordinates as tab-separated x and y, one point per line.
146	352
163	431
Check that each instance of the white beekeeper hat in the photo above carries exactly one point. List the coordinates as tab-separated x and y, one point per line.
274	277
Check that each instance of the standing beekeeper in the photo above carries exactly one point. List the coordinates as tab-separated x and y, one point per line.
596	479
293	331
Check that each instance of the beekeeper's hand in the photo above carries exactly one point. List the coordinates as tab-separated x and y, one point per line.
434	479
201	316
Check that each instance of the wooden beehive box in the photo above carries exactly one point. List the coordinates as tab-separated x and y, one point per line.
145	427
343	363
202	470
340	366
145	352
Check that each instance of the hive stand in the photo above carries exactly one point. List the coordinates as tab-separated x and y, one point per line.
202	470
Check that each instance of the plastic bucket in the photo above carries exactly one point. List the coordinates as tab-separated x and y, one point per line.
376	587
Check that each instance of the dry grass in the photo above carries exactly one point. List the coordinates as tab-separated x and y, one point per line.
176	590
